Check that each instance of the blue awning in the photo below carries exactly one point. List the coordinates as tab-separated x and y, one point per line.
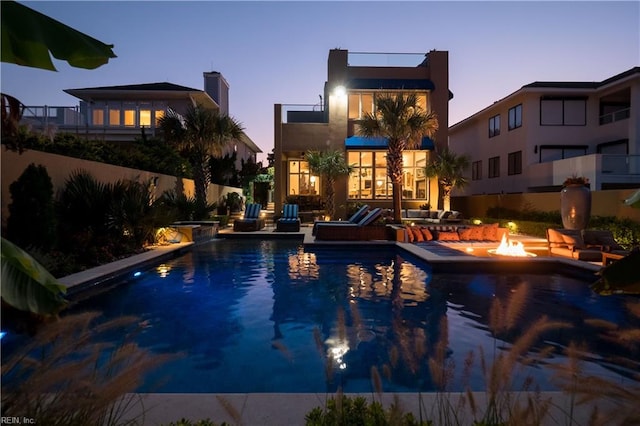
354	142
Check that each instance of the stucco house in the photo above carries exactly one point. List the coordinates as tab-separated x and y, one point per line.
533	139
354	79
121	113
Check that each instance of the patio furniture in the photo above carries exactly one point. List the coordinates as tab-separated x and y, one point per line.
289	221
355	218
587	245
361	231
251	220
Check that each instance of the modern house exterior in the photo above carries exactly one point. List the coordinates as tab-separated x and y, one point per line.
123	113
533	139
354	80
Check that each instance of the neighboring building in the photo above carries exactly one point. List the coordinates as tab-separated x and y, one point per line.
533	139
122	113
330	124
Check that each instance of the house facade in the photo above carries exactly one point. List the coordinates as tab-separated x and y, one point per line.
354	80
123	113
536	137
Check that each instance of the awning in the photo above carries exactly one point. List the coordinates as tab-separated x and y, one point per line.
355	142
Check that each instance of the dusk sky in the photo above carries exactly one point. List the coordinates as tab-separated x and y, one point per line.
276	52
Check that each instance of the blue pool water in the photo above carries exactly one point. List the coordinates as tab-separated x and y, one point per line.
272	316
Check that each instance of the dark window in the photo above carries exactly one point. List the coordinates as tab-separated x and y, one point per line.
514	166
563	112
494	167
515	117
476	170
494	126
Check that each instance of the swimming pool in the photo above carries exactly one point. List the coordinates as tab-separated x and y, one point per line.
274	316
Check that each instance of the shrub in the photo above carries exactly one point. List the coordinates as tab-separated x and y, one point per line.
32	221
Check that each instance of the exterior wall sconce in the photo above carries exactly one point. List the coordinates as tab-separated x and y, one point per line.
340	90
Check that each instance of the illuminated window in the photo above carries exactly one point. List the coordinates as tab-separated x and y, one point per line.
129	117
159	115
97	117
370	181
114	117
301	181
145	117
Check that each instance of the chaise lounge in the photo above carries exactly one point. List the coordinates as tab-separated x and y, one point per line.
251	220
361	231
354	219
289	221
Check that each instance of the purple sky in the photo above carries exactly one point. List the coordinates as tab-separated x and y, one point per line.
276	52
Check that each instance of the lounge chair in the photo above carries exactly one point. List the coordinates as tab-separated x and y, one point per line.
289	221
251	220
587	245
363	230
355	218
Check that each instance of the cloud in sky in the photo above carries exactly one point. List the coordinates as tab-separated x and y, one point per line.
276	52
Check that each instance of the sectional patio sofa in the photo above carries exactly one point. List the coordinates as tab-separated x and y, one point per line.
587	245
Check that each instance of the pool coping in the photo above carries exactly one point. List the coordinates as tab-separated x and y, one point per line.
277	409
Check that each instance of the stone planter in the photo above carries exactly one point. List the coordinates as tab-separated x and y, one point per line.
575	206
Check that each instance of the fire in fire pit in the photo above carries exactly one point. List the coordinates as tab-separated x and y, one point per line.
510	248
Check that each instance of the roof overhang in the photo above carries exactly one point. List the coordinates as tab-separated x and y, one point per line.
356	142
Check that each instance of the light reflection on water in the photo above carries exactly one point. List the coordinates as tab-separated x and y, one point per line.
272	316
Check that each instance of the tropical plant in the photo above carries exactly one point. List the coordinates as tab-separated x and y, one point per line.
575	180
200	134
400	119
27	285
330	165
32	220
448	167
67	375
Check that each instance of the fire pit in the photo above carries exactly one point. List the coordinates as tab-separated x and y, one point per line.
510	248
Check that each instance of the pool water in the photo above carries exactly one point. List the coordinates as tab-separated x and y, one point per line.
274	316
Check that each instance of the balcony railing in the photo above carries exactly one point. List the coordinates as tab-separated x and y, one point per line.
622	114
365	59
621	164
303	113
44	116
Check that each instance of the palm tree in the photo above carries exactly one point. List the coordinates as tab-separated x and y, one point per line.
200	134
330	164
400	119
449	168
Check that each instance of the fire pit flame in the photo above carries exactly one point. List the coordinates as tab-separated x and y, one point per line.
511	248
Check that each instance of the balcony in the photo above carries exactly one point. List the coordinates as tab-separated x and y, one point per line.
622	114
366	59
304	113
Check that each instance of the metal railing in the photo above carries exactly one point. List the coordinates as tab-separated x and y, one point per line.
621	114
366	59
621	164
44	116
303	113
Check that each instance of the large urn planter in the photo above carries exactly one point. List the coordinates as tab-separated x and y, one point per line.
575	206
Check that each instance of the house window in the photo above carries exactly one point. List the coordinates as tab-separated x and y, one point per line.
301	181
362	103
494	126
515	117
514	163
476	170
145	117
97	117
129	117
114	117
494	167
370	181
563	112
158	117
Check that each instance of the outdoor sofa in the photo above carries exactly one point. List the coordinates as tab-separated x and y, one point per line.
426	217
450	233
587	245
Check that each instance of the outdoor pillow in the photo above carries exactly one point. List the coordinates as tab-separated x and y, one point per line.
476	233
426	234
417	235
410	236
465	234
448	236
490	232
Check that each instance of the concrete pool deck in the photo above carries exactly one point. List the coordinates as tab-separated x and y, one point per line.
277	409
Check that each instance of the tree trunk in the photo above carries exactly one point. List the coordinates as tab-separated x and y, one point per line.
331	194
446	198
394	171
